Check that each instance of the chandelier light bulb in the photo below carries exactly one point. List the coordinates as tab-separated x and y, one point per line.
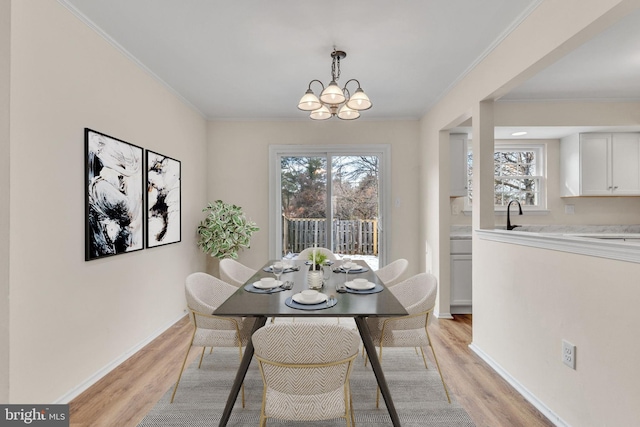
309	101
332	94
359	101
346	113
321	113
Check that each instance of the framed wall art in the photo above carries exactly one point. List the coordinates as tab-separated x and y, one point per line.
114	203
163	200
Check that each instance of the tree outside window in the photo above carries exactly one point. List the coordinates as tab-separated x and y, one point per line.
518	175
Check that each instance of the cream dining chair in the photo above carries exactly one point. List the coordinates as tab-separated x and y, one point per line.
418	296
391	273
305	369
204	294
235	273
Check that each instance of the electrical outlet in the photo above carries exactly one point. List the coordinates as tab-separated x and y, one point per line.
569	354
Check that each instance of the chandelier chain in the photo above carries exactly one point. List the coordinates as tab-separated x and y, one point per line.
335	75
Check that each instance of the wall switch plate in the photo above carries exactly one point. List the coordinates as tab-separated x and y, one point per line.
569	354
569	209
455	209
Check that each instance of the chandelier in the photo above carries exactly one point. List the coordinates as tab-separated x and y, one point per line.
333	100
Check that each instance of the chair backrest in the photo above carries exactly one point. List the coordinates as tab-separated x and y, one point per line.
305	254
204	294
305	358
417	295
391	273
235	273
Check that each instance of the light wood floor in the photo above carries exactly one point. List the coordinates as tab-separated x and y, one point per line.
124	396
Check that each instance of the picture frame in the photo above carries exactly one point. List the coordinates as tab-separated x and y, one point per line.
163	200
114	189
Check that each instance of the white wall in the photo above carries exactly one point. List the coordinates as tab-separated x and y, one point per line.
5	47
239	167
527	300
71	318
500	271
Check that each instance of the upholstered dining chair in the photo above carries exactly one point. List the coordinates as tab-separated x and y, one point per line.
305	369
391	273
418	296
204	294
306	253
235	273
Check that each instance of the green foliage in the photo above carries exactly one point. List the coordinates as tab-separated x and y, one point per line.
320	257
225	230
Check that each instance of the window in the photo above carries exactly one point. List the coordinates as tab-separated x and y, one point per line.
519	174
334	196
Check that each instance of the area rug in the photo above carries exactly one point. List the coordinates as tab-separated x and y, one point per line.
417	393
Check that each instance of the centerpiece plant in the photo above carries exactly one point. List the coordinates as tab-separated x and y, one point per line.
225	231
317	259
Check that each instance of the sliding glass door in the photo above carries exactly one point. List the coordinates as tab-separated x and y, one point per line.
330	198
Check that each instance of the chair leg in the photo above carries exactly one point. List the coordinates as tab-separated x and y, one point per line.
424	359
201	356
184	362
353	419
437	365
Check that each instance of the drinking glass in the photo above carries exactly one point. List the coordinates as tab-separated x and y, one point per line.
346	266
277	268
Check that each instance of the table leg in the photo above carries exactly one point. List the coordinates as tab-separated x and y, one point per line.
242	372
365	334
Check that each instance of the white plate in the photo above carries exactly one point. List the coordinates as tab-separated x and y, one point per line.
354	268
298	298
259	284
367	286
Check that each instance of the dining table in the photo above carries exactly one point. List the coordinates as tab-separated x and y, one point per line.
341	301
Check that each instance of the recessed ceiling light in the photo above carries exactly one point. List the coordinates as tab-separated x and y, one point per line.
518	133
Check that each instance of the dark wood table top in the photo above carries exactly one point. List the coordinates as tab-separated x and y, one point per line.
247	304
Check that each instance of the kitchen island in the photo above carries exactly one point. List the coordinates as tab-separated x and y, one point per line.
534	290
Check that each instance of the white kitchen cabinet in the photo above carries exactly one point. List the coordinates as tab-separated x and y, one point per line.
461	275
458	161
600	164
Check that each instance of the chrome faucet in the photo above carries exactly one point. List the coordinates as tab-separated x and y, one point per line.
509	226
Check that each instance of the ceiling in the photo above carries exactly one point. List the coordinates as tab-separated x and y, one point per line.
253	59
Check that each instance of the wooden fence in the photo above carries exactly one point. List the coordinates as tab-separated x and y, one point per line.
355	237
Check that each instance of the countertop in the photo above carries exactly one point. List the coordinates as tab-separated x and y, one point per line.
460	232
618	242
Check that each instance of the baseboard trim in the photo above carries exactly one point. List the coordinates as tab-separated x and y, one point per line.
445	315
530	397
76	391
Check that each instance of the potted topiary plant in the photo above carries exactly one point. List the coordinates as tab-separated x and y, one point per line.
225	230
317	259
315	274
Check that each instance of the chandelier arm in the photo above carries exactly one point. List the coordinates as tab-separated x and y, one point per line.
314	80
352	80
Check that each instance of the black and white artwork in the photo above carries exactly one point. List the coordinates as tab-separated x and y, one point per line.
114	177
163	200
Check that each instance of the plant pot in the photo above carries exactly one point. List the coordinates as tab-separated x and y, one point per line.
314	277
